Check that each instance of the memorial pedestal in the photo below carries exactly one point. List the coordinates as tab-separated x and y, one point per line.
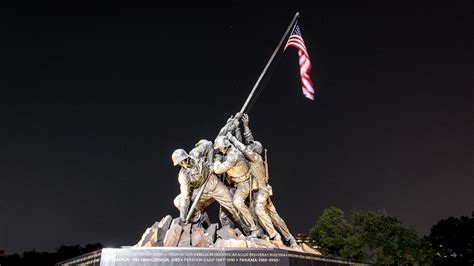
203	256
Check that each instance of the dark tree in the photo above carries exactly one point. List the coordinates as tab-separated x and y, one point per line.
13	259
374	237
453	241
67	252
330	231
383	239
47	258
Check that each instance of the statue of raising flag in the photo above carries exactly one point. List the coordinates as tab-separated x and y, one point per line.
240	164
233	171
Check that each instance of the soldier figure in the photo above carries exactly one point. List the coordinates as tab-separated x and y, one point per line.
232	162
241	162
193	175
264	208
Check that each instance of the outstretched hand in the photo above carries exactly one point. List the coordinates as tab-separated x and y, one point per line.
245	120
235	121
238	115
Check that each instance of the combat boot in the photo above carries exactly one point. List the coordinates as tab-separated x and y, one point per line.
292	242
254	234
277	236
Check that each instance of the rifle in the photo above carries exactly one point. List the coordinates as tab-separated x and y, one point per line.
266	165
196	199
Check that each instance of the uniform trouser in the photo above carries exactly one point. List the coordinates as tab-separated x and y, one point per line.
225	217
268	216
215	190
240	195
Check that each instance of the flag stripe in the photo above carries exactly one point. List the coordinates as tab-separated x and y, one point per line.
296	40
298	46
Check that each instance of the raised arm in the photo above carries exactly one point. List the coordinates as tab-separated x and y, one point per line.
232	126
248	137
249	155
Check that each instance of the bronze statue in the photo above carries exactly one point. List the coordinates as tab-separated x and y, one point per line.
239	161
232	126
232	162
195	173
265	211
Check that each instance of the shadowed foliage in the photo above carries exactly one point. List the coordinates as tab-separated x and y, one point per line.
48	258
453	241
374	237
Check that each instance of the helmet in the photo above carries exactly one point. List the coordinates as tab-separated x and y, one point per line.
202	142
179	155
221	142
257	146
202	147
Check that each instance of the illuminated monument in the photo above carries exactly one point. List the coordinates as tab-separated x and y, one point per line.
231	170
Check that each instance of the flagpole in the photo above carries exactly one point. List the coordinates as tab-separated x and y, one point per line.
290	27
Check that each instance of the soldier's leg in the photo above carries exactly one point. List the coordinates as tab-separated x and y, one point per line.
280	224
225	218
261	199
207	196
205	201
261	232
223	196
240	196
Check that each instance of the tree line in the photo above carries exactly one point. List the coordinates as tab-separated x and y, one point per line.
380	238
48	258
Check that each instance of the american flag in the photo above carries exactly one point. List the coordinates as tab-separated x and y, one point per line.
296	40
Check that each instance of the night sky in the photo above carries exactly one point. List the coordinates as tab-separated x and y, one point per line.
95	99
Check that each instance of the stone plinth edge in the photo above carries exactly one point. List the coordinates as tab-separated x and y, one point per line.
188	256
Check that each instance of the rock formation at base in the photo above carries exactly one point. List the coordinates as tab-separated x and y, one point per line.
155	235
171	232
